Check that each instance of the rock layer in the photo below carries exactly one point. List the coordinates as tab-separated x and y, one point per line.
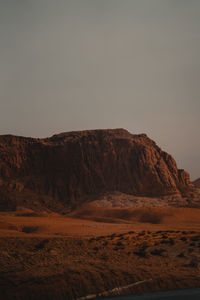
69	168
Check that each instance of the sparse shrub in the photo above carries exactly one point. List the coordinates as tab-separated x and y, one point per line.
164	236
151	217
181	255
141	233
141	252
105	243
169	241
104	256
113	235
79	243
193	263
100	238
158	252
195	238
192	244
183	238
91	240
116	248
121	234
30	229
42	244
119	244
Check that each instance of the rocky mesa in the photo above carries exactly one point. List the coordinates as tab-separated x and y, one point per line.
67	169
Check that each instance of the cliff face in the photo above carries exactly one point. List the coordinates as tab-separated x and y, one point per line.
68	168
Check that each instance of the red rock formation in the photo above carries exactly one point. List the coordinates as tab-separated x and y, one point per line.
68	168
197	182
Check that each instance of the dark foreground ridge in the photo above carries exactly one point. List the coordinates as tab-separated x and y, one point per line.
65	170
80	268
186	294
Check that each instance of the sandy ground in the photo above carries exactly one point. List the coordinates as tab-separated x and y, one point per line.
99	221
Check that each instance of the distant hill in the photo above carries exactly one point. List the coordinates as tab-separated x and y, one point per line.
197	182
67	169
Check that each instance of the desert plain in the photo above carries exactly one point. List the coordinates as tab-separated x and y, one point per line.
93	214
98	251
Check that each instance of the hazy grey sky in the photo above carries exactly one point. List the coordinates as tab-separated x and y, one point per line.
85	64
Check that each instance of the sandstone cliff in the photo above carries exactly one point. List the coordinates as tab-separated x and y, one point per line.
69	168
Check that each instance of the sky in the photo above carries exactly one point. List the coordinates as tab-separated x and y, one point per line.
85	64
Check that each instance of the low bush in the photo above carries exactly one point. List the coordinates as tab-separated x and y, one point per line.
158	252
30	229
141	252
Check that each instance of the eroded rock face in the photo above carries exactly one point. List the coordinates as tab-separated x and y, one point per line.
68	168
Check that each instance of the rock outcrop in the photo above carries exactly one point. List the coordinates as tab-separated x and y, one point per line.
67	169
197	182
